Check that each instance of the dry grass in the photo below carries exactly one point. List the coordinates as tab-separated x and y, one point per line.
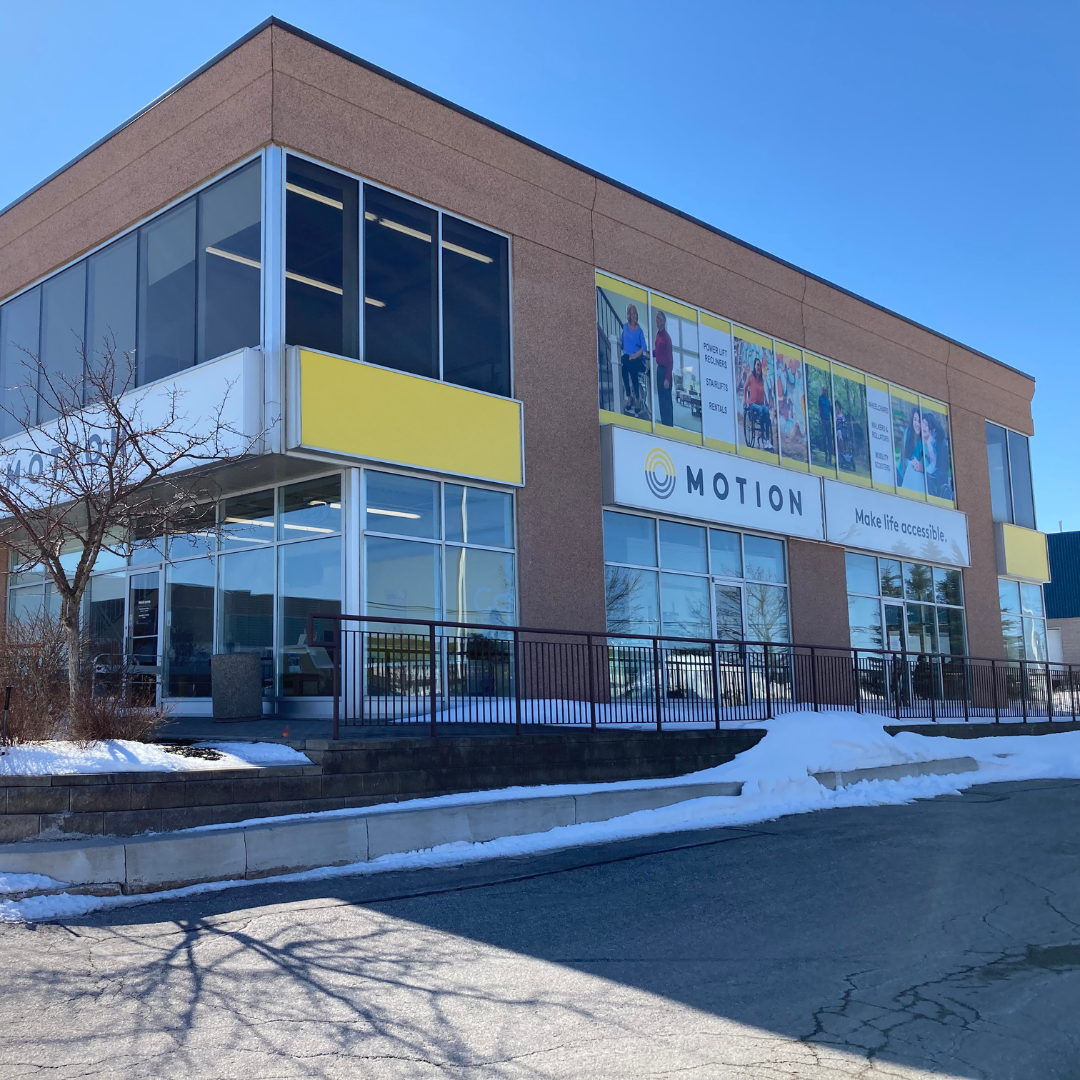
33	662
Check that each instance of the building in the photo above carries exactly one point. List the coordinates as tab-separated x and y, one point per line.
497	387
1062	596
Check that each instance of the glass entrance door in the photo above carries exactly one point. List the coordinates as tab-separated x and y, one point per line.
144	610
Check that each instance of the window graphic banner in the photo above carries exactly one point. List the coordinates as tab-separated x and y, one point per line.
676	363
875	521
908	443
791	404
849	408
673	477
755	395
717	397
937	456
880	413
820	406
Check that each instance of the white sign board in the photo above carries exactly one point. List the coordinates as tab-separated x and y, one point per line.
717	396
893	525
671	477
881	448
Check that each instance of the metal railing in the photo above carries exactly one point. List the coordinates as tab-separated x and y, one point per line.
389	671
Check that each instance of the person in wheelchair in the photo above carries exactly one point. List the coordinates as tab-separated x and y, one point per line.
845	443
757	424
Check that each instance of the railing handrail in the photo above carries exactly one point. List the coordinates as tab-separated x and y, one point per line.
487	628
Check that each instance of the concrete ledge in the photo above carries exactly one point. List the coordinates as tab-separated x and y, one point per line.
944	767
168	860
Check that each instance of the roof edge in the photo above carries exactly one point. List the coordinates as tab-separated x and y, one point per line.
273	21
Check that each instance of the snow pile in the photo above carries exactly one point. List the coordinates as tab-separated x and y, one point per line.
121	755
777	781
18	883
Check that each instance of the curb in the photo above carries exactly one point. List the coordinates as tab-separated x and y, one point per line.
158	861
941	767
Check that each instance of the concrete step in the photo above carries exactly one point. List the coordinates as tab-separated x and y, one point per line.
944	767
285	845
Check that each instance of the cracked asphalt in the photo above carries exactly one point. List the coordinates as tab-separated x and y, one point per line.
940	938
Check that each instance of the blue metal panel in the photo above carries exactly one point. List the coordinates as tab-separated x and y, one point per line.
1063	592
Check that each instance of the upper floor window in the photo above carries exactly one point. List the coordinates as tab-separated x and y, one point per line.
182	289
435	293
1012	498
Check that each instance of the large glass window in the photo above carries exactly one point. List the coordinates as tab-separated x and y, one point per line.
904	605
310	584
321	259
167	294
401	280
421	563
1023	619
189	618
20	321
702	590
63	314
230	263
246	581
476	307
111	289
1012	497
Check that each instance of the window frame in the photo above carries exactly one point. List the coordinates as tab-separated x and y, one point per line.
361	294
1009	473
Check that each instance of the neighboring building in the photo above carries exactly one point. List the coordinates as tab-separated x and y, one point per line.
1062	596
422	308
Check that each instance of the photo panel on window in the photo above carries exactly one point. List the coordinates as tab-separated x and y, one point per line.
937	451
850	423
791	405
821	423
624	354
908	452
755	395
676	363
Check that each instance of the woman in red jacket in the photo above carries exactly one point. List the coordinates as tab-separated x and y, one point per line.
664	364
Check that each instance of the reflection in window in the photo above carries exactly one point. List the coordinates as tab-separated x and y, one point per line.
401	308
918	581
402	504
167	294
764	558
725	551
1023	497
111	289
478	516
682	547
246	580
321	259
1023	623
684	606
631	599
230	263
480	587
1012	499
629	539
189	618
476	307
247	520
310	585
864	619
194	534
402	579
862	573
63	311
19	345
922	628
766	612
310	509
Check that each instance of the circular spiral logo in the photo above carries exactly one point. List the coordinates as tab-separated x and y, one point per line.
660	473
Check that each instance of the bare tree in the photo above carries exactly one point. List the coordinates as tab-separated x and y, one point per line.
94	463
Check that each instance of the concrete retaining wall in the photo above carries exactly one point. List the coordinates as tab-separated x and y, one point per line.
151	863
349	774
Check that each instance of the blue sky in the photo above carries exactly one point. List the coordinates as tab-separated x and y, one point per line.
923	154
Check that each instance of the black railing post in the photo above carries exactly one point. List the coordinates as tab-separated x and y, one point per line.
967	690
656	676
335	726
993	679
1049	694
431	677
589	680
1072	693
715	684
933	689
855	674
813	678
1024	689
768	687
899	673
517	683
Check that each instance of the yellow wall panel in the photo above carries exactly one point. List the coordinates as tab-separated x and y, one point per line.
1022	553
383	415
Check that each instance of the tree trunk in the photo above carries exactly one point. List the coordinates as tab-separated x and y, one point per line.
69	618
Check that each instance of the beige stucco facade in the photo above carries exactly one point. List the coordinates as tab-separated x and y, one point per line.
565	222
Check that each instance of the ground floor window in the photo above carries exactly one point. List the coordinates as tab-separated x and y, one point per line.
909	606
1023	620
435	550
669	577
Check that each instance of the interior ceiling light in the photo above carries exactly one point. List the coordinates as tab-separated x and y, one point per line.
248	521
308	194
234	257
467	252
393	513
308	528
315	284
373	302
398	227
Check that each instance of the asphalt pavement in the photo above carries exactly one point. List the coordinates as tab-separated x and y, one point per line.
941	938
